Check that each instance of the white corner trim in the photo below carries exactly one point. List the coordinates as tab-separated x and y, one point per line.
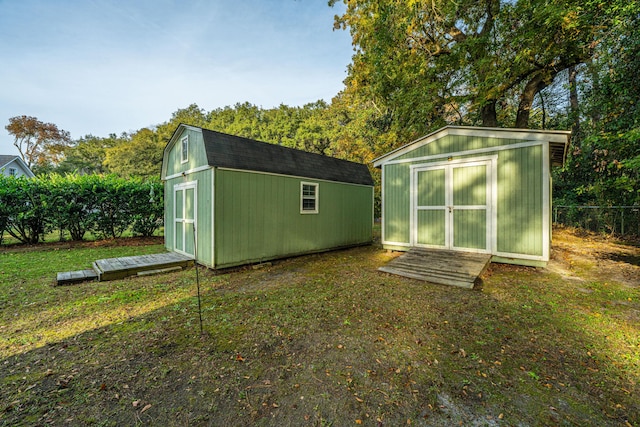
213	219
404	244
520	256
546	202
187	172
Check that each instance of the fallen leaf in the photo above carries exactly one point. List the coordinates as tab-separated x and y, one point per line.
146	407
135	403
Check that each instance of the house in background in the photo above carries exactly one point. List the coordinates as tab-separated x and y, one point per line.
484	190
14	166
231	201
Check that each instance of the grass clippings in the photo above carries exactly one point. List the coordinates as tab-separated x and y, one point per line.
323	340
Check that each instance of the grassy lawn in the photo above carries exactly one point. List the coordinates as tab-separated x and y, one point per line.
322	340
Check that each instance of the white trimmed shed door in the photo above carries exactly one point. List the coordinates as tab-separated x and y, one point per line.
452	206
185	208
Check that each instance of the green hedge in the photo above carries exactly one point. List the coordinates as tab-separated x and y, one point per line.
105	206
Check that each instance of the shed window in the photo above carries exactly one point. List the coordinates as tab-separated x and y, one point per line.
12	171
185	149
308	197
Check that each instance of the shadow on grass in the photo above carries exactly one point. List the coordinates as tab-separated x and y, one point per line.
328	340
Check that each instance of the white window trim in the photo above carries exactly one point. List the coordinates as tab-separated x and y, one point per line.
183	158
316	198
13	172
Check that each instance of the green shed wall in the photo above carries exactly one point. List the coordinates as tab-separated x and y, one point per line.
245	216
197	160
520	201
257	217
204	225
520	187
197	156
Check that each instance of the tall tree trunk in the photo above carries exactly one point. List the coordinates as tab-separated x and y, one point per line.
544	110
574	113
488	114
533	86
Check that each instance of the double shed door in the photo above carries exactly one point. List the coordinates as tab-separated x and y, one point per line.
452	205
185	208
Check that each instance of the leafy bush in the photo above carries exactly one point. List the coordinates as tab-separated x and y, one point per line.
24	208
148	208
103	205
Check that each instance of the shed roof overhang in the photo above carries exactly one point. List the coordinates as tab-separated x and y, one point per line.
558	140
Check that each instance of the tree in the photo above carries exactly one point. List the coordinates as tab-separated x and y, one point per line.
139	156
39	143
87	154
604	165
431	62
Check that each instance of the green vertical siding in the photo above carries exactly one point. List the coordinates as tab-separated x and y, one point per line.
257	217
455	144
520	201
397	209
470	229
431	227
204	225
470	185
197	155
431	188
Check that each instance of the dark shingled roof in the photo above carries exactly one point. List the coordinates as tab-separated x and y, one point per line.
4	159
234	152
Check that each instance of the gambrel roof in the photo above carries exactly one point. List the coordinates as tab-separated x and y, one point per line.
235	152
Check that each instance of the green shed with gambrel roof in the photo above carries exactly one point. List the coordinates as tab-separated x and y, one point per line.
231	200
485	190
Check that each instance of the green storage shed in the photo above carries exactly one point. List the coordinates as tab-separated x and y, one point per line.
485	190
231	200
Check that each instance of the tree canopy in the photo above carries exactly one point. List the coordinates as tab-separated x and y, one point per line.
432	62
422	64
39	143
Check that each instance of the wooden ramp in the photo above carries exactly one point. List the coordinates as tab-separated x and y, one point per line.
119	268
440	266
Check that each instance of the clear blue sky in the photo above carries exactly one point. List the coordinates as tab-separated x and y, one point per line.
112	66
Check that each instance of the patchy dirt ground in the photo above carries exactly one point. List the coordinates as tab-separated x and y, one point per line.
323	340
69	244
579	255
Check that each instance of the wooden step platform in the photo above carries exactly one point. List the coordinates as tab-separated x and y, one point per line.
119	268
445	267
70	277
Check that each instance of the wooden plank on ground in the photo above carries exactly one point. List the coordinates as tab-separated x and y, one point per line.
440	266
118	268
68	277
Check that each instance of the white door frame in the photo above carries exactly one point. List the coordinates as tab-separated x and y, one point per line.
181	222
491	201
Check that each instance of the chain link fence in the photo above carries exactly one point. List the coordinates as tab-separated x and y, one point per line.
618	220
